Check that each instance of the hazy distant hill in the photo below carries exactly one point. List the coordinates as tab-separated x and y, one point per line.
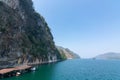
66	53
110	55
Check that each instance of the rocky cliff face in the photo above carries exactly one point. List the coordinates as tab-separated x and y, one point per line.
66	53
24	35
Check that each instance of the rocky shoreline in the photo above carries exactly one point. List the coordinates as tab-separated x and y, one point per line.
21	69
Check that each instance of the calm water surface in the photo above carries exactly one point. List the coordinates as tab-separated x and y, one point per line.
75	70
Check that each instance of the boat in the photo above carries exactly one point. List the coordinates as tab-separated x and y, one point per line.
33	68
18	73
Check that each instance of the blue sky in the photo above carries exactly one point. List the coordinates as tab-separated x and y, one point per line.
87	27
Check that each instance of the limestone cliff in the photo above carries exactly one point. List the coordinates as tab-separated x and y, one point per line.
24	35
66	53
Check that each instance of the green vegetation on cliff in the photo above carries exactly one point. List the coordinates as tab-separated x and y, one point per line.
24	34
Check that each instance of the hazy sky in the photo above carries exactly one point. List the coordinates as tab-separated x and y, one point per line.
87	27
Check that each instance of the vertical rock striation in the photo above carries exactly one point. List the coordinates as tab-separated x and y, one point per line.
24	35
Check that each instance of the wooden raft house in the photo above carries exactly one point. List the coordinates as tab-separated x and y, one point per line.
8	72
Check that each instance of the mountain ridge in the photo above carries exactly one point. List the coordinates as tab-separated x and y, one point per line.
109	55
67	53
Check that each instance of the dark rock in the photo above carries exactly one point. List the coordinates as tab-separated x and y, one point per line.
24	34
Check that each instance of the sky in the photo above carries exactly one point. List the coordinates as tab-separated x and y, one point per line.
87	27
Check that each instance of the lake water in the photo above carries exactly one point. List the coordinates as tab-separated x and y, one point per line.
75	70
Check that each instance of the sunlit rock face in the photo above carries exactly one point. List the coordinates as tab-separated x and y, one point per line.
67	53
24	35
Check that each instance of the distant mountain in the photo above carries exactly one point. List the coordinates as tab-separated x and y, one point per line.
110	55
66	53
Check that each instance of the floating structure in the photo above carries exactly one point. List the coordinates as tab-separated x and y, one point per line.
16	71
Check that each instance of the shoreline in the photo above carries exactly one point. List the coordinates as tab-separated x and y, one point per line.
15	71
21	69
